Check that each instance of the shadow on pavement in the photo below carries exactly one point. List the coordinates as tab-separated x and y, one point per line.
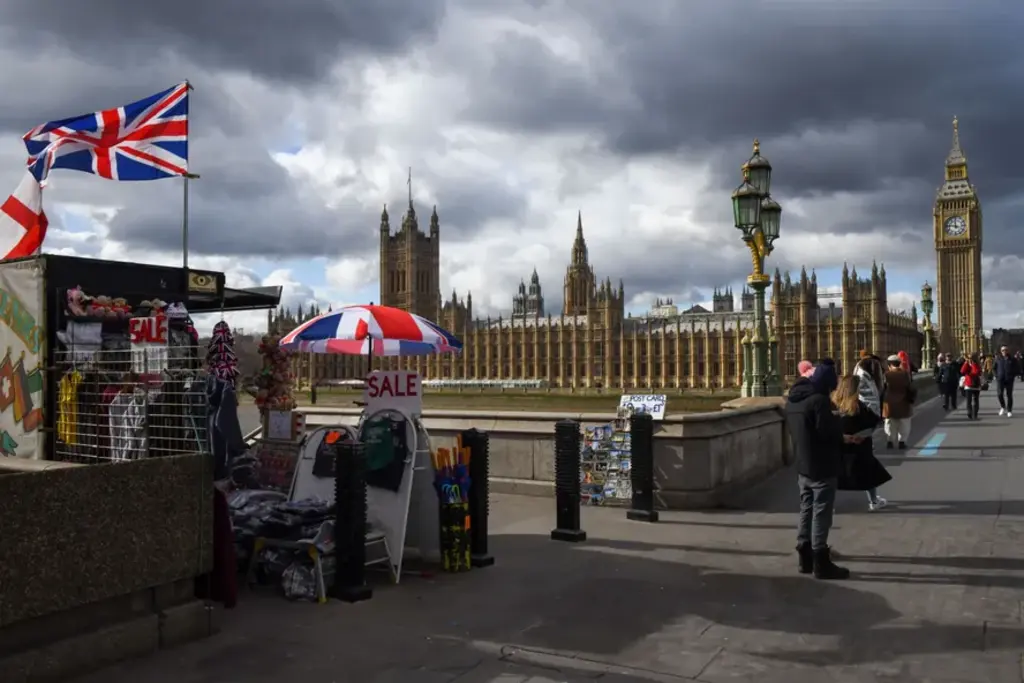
616	601
985	563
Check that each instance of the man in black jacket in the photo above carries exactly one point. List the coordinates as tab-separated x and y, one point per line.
1006	372
947	376
817	444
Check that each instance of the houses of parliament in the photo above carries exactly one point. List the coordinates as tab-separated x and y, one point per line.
593	342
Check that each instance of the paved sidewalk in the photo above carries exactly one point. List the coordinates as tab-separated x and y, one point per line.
711	597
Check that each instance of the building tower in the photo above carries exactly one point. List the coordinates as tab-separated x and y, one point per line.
410	264
958	242
528	303
580	285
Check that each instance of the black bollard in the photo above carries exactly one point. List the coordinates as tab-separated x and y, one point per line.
350	523
567	483
641	474
479	495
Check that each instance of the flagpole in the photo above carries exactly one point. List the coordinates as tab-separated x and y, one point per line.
184	200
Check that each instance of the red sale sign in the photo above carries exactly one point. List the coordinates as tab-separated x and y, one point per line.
151	330
149	344
394	389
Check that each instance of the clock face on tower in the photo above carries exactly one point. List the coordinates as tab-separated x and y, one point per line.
956	226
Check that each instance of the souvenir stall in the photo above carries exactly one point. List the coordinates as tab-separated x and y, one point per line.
80	335
402	492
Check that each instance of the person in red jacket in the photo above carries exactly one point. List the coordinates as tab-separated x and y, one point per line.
971	372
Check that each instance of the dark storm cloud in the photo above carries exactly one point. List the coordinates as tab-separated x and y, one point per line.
466	204
292	41
848	97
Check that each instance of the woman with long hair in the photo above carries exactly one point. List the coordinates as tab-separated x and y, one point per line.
861	470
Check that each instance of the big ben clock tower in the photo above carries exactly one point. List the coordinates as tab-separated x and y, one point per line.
958	233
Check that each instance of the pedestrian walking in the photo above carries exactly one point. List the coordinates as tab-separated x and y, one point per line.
947	376
817	439
1006	371
869	376
971	372
898	403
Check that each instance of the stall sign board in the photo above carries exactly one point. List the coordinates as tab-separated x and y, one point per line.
653	404
277	461
280	425
21	377
393	390
149	344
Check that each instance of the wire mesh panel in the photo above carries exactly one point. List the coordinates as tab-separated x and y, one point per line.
128	403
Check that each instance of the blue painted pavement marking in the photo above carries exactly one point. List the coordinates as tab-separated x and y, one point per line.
932	447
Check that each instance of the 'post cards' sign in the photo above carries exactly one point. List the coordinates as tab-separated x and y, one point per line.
654	404
395	389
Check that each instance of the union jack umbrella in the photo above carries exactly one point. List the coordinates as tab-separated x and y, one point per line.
371	331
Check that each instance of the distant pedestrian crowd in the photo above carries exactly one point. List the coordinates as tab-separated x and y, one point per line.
968	376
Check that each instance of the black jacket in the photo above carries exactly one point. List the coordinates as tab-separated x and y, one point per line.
852	424
861	469
1006	369
815	431
948	376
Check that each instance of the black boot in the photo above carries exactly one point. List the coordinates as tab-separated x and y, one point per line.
806	556
902	445
825	569
888	444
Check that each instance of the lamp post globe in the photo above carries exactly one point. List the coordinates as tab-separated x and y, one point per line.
771	219
746	206
927	305
759	170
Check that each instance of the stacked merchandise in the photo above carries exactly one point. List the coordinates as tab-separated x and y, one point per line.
605	464
269	514
274	383
221	361
452	483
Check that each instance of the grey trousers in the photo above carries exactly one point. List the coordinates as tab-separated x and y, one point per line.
817	501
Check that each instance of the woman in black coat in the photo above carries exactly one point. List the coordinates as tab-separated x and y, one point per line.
861	470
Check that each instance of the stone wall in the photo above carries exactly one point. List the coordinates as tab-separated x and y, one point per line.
97	563
699	457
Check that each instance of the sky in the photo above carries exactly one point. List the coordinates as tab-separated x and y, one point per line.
514	116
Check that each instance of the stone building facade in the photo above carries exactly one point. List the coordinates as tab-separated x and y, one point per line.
593	342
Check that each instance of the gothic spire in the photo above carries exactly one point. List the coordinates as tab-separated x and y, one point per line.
409	183
956	155
579	246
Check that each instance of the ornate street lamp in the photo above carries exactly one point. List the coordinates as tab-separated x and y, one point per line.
927	306
758	217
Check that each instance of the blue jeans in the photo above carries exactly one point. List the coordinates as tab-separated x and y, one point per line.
817	501
872	496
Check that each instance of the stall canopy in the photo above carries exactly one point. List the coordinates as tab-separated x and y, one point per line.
236	300
202	291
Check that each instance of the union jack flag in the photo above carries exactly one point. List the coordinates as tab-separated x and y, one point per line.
144	140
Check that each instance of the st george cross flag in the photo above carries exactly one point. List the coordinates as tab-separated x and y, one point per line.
144	140
22	221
